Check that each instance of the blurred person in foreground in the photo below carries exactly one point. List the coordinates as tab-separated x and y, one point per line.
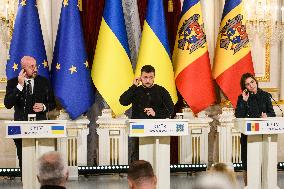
52	171
141	175
226	170
213	181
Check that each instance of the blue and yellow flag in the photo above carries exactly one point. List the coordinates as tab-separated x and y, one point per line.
233	53
112	72
27	40
154	47
70	72
191	59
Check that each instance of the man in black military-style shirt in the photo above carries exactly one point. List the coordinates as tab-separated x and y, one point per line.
149	100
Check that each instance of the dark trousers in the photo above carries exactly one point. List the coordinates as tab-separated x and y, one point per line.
18	143
244	151
133	149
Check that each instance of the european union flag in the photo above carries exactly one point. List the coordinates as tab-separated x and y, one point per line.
14	130
27	40
70	72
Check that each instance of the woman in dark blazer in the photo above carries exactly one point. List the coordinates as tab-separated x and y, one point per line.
252	103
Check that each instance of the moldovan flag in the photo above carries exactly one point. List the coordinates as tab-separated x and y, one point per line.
233	53
191	59
154	48
112	71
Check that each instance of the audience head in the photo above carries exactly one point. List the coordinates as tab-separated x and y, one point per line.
52	170
213	181
226	170
141	175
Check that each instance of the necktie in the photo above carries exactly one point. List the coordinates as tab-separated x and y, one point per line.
29	87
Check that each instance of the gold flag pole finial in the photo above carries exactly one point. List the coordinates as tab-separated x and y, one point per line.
80	5
170	6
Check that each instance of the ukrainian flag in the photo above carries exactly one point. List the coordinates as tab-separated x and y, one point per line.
191	59
233	52
154	48
112	72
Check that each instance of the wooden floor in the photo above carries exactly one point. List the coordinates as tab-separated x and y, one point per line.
178	181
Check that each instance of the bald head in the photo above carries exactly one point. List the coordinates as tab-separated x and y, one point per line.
52	170
28	63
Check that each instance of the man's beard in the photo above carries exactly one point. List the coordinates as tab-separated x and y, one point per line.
147	85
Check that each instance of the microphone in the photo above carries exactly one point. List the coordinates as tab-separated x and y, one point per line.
270	95
25	115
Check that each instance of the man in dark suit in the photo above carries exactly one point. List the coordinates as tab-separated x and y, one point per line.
28	93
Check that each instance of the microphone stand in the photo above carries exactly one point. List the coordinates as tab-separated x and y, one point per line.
47	103
277	104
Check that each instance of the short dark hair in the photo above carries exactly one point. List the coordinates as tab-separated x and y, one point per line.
148	69
244	78
140	170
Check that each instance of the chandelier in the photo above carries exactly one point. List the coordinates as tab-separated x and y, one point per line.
7	18
264	20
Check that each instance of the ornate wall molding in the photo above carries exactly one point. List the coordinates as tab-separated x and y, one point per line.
266	77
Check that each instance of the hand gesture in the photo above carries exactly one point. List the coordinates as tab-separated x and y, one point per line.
21	77
150	111
136	81
245	95
263	115
38	107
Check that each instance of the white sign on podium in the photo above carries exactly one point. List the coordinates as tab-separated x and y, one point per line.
157	127
36	129
261	150
154	143
38	137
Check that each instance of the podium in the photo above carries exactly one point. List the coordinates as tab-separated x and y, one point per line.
154	143
38	137
261	150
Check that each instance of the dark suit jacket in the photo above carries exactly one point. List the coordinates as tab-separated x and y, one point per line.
23	103
256	104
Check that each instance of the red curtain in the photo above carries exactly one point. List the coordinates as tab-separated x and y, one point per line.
91	20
